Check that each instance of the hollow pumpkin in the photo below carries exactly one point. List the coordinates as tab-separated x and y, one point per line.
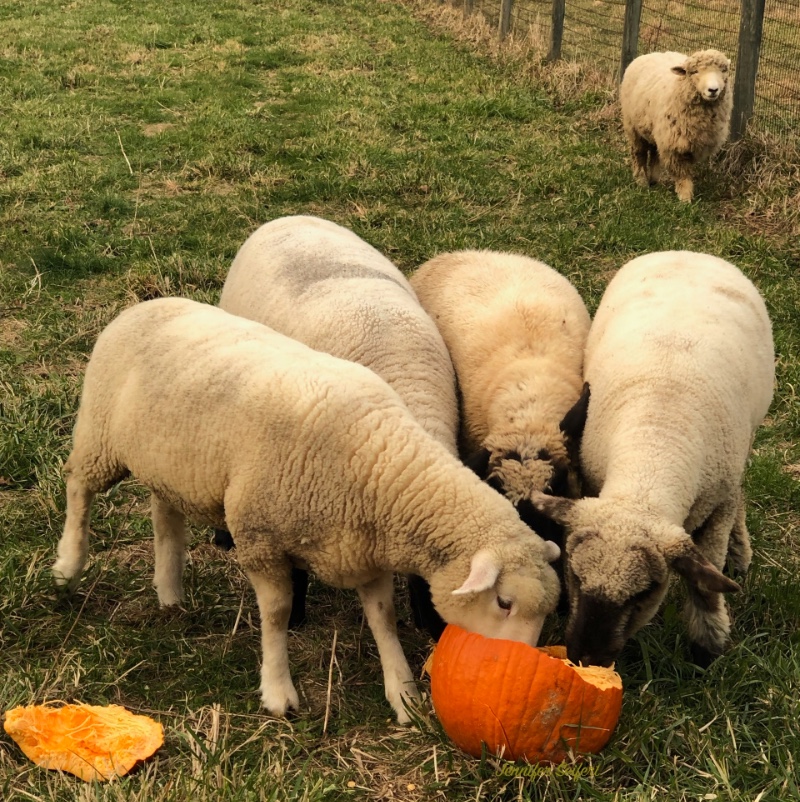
92	742
522	702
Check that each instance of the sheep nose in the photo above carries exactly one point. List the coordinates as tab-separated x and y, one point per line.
712	90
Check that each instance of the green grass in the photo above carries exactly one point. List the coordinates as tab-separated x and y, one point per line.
140	145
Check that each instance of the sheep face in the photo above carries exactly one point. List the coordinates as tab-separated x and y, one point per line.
708	71
618	568
509	591
615	587
519	463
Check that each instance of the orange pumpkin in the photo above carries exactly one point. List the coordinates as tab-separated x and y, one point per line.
522	702
94	743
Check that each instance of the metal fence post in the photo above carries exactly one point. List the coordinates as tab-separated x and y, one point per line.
630	34
505	17
744	88
557	34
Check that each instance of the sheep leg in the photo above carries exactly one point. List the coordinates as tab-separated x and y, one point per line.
740	553
639	150
274	597
706	612
679	166
655	165
377	597
169	531
73	547
422	609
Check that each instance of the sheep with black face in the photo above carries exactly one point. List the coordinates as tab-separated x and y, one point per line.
515	329
680	362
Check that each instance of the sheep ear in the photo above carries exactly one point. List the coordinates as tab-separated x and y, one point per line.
557	508
574	421
483	574
551	551
679	70
700	572
478	462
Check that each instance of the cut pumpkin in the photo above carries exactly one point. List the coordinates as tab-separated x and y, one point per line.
523	703
92	742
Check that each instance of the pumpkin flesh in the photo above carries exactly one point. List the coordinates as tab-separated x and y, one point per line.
92	742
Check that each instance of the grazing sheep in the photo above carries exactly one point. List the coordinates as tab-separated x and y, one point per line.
308	460
676	110
681	366
320	283
516	330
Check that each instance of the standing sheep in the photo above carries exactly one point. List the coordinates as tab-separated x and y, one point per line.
309	461
323	285
681	367
516	330
676	110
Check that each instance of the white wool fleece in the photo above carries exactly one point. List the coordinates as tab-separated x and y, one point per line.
322	284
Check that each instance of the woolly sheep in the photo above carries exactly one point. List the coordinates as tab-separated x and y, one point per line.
308	460
515	329
681	367
322	284
676	110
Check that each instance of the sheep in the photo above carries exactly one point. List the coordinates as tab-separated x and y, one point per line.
322	284
680	361
676	110
515	329
308	460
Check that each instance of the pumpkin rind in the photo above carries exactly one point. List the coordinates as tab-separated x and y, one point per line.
92	742
520	701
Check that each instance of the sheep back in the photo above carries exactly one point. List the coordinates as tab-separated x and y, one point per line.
321	284
515	329
680	361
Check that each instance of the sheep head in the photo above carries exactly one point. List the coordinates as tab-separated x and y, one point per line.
618	567
505	591
706	71
535	457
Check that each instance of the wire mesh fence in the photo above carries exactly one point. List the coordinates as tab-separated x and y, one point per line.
593	31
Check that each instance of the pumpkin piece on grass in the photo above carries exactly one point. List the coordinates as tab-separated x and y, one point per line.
92	742
522	702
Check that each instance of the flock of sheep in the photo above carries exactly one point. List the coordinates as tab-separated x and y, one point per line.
471	428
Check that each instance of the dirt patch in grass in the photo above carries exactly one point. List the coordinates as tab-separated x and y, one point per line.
11	332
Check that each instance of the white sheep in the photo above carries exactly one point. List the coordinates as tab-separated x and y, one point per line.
676	111
322	284
516	330
308	460
680	362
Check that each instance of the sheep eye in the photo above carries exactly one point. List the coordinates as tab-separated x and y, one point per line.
724	69
643	594
504	604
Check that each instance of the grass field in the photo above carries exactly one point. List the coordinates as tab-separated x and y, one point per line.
140	144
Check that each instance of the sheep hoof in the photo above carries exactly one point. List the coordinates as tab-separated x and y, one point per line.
404	698
170	600
65	586
279	700
405	704
66	582
684	191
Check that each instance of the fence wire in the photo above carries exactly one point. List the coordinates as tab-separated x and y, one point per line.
593	32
